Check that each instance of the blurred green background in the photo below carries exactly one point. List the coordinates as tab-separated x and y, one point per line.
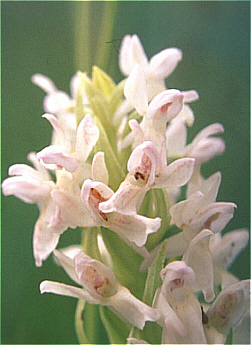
39	37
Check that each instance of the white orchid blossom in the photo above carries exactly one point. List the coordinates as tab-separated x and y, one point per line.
99	286
156	70
224	251
180	309
61	156
227	311
36	186
146	171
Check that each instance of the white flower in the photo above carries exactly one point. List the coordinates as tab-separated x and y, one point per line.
227	311
180	309
35	186
224	251
146	170
62	155
162	108
156	70
200	211
56	101
202	148
132	228
99	286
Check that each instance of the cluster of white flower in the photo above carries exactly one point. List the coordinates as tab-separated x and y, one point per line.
118	159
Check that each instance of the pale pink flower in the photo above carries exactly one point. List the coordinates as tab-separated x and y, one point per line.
99	286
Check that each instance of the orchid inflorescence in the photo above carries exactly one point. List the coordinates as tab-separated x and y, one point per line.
151	263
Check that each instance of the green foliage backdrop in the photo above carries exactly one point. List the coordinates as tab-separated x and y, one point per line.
39	37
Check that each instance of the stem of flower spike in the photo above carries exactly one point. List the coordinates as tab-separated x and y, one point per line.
86	41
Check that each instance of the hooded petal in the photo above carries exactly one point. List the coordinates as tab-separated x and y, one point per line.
98	279
125	200
143	162
165	106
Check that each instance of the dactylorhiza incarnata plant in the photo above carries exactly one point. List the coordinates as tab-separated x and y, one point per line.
153	266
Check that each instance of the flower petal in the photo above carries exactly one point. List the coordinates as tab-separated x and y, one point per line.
230	306
129	308
208	187
56	102
87	136
29	190
44	240
164	63
67	263
56	126
214	216
184	211
190	96
134	228
99	170
135	89
199	258
55	156
65	290
165	106
131	52
45	83
176	174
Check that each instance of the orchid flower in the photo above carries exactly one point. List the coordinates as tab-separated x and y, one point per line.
145	171
61	156
179	307
227	311
156	70
35	186
224	251
57	101
162	109
99	286
200	211
202	148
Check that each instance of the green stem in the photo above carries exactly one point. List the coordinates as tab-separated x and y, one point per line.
82	339
105	36
82	35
